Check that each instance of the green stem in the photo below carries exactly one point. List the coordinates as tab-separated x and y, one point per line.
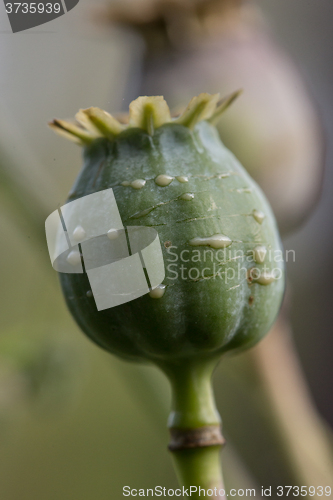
193	402
200	468
194	425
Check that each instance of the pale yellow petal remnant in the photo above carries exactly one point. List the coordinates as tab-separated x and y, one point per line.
100	122
223	105
149	113
72	131
146	113
199	108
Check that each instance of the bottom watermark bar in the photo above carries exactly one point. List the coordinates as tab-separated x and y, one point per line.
162	491
183	492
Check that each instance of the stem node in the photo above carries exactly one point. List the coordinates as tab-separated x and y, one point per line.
182	439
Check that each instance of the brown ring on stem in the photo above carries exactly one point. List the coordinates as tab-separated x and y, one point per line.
182	439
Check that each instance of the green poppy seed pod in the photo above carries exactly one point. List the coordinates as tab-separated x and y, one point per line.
223	281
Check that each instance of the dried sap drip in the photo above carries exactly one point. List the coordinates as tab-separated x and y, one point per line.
215	241
163	180
79	234
258	215
112	234
158	292
259	254
187	196
74	258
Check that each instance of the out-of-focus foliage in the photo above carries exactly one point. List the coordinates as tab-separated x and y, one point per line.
220	45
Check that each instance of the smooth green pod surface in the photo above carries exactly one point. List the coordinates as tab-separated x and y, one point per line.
223	259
